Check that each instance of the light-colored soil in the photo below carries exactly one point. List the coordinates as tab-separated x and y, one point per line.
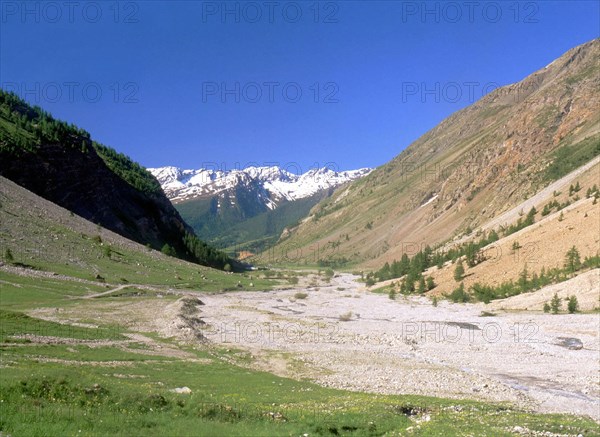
542	245
410	346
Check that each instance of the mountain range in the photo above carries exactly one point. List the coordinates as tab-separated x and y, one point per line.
248	209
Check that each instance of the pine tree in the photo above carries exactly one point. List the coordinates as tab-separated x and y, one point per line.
572	304
430	283
459	272
572	260
555	304
523	280
168	250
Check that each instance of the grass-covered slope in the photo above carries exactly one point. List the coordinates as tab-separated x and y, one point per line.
51	243
61	163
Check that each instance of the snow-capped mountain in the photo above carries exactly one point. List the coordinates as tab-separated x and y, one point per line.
272	184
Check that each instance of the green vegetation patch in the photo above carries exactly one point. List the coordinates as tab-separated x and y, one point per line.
568	158
14	323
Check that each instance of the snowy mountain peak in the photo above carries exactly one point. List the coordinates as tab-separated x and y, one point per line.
278	184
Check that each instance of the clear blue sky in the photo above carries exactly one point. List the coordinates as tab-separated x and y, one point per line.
147	78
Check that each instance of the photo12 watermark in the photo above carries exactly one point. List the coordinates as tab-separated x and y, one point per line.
55	12
270	12
75	92
464	91
270	92
403	333
489	12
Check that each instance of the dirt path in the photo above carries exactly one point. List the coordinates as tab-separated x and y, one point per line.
341	336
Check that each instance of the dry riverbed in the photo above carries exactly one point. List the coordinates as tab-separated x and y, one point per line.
341	335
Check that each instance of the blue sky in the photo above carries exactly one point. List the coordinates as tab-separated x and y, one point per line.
305	84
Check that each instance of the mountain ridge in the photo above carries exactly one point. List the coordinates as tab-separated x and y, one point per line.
472	166
180	185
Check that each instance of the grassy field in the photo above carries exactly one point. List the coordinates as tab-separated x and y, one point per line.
75	379
76	365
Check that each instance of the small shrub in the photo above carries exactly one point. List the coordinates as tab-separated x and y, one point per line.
546	307
434	301
572	304
459	295
392	294
301	295
555	304
459	271
8	255
430	283
168	250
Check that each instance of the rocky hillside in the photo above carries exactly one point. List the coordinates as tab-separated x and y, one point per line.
473	166
61	163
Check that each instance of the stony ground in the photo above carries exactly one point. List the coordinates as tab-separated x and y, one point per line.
342	336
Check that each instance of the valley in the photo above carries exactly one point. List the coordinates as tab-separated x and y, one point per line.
453	290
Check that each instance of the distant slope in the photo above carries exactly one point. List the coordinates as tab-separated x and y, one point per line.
61	163
247	210
476	164
236	229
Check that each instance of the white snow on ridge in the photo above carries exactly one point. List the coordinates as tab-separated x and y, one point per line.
181	184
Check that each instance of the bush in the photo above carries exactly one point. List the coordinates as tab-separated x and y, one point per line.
555	304
301	295
572	260
459	272
483	293
168	250
546	307
572	305
459	295
8	256
434	301
430	283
